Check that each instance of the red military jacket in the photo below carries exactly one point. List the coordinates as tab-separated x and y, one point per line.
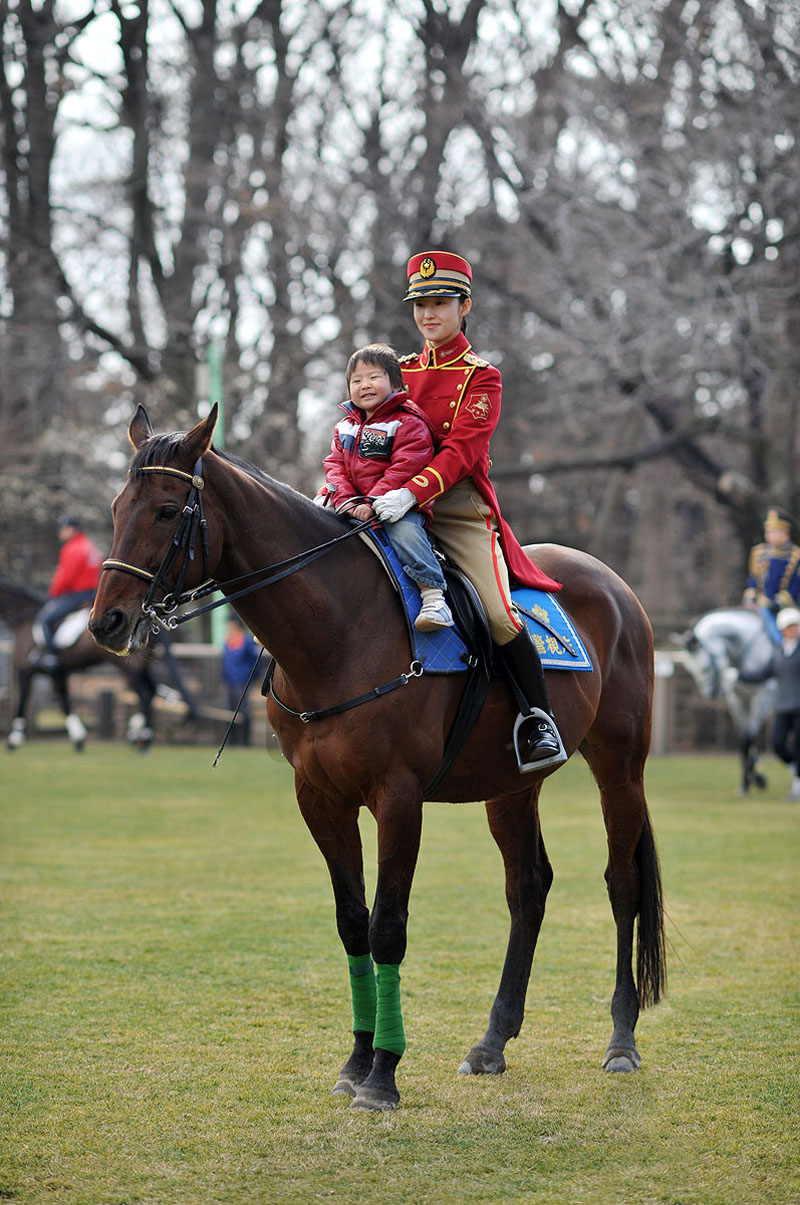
460	394
78	567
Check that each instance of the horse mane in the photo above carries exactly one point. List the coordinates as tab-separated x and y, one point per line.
160	449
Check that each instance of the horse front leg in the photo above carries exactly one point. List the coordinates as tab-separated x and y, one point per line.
16	736
335	830
514	824
76	729
140	726
398	812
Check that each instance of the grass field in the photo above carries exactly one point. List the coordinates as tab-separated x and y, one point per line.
174	1000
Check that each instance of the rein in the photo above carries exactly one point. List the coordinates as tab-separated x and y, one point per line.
193	521
160	613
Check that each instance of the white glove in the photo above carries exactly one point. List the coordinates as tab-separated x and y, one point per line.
392	506
321	499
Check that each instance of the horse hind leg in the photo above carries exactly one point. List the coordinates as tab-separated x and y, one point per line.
633	879
514	824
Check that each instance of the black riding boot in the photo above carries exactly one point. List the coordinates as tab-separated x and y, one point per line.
536	737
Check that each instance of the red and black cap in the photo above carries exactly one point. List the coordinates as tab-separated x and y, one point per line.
438	274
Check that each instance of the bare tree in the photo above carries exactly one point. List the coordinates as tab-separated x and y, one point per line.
622	176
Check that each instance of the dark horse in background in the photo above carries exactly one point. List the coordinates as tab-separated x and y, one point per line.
19	607
336	631
729	656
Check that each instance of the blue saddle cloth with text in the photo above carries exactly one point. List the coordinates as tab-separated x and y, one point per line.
445	652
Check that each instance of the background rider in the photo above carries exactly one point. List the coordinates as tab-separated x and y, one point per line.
774	571
73	584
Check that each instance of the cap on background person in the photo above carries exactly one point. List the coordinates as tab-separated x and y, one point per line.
787	617
438	274
777	520
69	521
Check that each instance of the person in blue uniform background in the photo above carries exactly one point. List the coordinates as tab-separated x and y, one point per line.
774	572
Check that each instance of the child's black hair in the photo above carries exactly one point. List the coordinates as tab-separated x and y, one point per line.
380	354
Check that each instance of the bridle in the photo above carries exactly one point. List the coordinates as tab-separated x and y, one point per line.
184	541
193	523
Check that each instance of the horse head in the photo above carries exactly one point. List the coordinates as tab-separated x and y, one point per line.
707	661
161	538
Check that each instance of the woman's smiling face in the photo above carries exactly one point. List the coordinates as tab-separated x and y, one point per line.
439	318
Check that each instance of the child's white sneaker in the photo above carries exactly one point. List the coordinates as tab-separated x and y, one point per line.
434	614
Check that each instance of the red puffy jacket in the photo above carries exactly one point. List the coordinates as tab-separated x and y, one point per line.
372	454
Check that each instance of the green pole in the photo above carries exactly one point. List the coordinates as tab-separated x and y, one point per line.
214	361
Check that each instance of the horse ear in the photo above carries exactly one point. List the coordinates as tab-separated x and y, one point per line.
198	440
140	430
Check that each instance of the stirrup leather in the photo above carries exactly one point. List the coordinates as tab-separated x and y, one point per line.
525	767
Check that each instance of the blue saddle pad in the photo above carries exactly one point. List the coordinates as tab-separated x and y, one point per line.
558	644
444	652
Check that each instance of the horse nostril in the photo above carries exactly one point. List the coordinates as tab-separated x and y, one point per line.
107	624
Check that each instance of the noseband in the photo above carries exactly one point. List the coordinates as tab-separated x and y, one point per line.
184	541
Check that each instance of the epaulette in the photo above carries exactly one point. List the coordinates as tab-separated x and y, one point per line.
412	355
471	358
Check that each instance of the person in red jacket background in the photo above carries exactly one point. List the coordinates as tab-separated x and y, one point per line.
460	394
75	580
382	440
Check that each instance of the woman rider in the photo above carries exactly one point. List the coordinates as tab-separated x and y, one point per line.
460	394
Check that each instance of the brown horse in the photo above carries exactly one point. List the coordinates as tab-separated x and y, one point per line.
334	625
19	607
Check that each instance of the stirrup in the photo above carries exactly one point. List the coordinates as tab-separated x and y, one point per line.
526	767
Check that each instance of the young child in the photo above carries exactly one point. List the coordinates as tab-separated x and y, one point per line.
786	725
383	440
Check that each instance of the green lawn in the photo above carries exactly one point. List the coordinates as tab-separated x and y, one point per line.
174	1001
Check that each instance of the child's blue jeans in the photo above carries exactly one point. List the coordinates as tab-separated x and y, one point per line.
410	541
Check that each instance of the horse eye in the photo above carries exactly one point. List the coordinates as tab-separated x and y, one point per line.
167	512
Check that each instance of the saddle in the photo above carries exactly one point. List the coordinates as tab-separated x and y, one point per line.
468	646
68	632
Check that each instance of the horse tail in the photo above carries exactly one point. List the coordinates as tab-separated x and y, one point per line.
651	962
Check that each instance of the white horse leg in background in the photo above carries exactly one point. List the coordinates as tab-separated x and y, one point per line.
749	718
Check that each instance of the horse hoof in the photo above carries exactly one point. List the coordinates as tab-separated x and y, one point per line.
617	1059
482	1062
345	1087
372	1100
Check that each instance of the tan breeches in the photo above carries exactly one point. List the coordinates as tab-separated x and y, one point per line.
466	528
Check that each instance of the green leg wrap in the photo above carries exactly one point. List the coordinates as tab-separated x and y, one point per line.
389	1031
362	991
